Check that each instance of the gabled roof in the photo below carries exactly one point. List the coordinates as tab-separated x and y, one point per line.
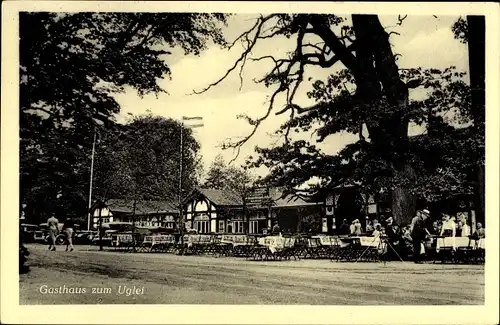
222	197
142	206
289	200
227	198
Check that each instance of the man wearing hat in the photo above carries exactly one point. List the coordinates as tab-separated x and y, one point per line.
418	231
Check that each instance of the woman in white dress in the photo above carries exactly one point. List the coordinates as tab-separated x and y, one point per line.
449	227
465	228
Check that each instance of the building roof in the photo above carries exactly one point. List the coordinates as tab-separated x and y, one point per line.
228	198
142	206
289	200
222	197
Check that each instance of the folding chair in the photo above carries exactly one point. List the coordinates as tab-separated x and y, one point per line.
334	249
147	244
350	248
288	250
445	249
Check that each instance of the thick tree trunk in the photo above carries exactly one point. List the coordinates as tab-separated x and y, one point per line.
404	202
480	195
390	132
476	43
378	83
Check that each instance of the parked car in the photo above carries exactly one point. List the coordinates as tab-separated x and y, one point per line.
106	238
28	232
84	237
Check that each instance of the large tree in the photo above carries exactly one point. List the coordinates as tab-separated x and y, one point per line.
71	64
141	160
371	93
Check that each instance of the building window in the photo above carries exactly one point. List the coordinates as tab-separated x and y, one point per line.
237	227
221	226
254	227
202	226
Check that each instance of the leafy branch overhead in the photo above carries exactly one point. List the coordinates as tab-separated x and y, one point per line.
71	66
370	93
287	74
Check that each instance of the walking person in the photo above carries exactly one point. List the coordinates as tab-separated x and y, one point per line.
68	229
53	225
418	230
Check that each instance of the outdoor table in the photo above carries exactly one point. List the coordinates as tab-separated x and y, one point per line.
238	245
451	242
155	242
327	240
479	243
354	248
274	243
121	239
460	249
275	248
125	241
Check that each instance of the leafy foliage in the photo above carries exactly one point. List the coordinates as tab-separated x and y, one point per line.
459	29
363	161
222	176
71	64
141	160
371	93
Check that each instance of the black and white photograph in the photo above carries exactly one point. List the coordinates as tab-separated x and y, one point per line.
302	157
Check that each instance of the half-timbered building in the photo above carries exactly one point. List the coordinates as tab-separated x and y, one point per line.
145	213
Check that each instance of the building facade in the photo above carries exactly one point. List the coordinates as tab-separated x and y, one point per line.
222	211
147	213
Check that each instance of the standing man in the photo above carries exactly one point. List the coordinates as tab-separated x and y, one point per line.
53	225
68	230
418	231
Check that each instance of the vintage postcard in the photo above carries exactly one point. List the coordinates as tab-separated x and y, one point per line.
249	162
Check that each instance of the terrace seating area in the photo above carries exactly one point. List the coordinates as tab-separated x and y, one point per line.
277	248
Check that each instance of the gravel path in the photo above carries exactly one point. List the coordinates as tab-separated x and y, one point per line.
170	279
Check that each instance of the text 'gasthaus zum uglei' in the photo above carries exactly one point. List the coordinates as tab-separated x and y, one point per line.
121	290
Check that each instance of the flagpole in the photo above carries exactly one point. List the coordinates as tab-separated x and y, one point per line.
91	179
181	212
181	217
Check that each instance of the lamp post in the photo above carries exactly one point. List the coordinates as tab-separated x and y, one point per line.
181	214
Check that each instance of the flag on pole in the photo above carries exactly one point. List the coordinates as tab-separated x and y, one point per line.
191	126
192	118
186	118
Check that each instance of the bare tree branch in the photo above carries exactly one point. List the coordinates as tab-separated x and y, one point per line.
257	27
315	46
256	125
286	74
401	19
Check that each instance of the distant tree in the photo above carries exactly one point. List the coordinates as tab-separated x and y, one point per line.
71	65
222	176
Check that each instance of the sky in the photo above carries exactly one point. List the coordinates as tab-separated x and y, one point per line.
423	41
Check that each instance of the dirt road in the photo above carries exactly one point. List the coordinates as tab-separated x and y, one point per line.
170	279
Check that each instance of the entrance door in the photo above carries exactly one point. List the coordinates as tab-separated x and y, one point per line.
349	207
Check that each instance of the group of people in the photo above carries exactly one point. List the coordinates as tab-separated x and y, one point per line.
356	228
411	238
67	230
